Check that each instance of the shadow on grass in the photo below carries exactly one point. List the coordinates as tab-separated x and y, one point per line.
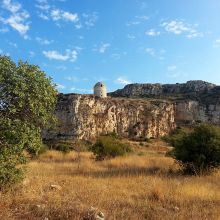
131	171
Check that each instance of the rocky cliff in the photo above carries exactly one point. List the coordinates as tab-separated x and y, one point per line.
138	110
190	89
86	117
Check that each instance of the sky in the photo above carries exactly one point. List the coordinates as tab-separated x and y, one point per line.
81	42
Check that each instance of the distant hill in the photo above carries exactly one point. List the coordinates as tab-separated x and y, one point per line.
195	90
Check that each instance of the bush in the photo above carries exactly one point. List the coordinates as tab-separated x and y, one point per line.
198	151
109	147
67	146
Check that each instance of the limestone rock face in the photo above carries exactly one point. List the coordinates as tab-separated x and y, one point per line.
138	110
86	117
190	87
189	112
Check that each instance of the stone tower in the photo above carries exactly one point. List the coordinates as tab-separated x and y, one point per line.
100	90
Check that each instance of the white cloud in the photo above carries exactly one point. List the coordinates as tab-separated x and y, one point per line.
54	55
12	7
43	41
43	7
179	27
123	81
16	22
152	33
57	14
50	12
216	43
17	18
104	47
47	12
70	55
43	16
60	86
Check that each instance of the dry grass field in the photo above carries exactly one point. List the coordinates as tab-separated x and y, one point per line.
143	185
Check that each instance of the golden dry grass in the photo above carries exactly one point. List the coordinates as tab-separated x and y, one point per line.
132	187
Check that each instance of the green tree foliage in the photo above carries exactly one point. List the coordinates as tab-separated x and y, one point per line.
109	147
199	150
27	102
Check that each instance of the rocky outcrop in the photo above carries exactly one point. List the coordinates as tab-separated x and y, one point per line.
138	110
190	88
189	112
86	117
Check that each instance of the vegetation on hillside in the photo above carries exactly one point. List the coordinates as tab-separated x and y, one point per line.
129	187
198	151
109	146
27	102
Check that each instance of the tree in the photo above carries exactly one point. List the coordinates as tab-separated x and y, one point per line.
198	151
27	103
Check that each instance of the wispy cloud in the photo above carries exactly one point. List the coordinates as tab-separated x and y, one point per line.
137	20
43	41
50	12
159	54
102	47
60	86
18	18
70	55
90	19
173	72
57	14
152	33
151	51
122	81
179	27
119	55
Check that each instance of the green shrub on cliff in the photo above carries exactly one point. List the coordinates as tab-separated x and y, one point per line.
197	151
27	102
109	147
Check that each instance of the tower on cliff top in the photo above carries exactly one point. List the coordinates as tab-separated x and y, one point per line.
100	90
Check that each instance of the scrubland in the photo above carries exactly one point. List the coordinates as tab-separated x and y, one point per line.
142	185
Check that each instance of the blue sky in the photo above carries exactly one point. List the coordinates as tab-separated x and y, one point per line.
80	42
